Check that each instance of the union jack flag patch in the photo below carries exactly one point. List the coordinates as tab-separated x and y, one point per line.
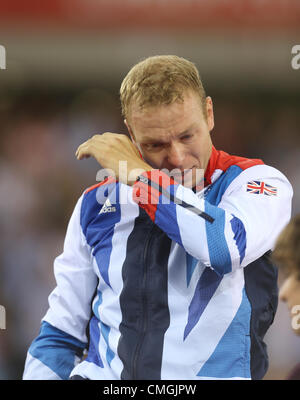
258	187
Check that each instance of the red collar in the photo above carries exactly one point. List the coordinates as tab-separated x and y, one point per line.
221	160
210	166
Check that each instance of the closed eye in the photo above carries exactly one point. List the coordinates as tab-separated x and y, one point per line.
186	137
153	146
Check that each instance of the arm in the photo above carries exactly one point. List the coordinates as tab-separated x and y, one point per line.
62	337
233	233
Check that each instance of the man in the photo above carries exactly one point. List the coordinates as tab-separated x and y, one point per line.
287	255
172	280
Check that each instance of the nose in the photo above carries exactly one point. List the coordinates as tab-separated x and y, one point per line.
282	295
284	290
176	155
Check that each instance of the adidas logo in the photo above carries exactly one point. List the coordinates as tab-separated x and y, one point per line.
107	207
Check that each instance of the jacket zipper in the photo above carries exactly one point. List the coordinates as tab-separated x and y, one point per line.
144	306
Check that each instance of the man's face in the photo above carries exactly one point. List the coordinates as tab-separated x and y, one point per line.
175	136
290	293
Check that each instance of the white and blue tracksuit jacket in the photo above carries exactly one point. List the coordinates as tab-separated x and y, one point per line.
172	290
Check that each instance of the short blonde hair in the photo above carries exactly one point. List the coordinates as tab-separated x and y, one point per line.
287	247
160	80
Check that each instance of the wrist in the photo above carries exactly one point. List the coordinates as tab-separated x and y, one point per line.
140	170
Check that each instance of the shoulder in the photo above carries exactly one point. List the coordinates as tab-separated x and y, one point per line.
221	162
94	197
258	174
230	173
225	161
99	192
108	181
239	167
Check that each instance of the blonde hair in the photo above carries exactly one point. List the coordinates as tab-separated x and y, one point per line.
287	247
160	80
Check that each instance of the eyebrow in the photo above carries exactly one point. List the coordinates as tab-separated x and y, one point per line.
149	139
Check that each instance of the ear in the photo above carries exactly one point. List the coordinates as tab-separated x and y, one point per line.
129	131
210	113
133	138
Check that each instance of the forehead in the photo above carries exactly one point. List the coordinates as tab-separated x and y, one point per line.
166	119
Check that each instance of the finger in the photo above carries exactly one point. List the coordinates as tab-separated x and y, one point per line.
82	156
90	142
84	151
83	147
79	148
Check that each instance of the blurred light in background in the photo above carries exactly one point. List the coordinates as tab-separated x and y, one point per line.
65	60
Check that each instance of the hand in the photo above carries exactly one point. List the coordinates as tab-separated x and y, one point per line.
109	149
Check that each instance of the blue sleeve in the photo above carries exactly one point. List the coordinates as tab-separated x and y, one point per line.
54	349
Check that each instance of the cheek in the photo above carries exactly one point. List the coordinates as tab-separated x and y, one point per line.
199	152
202	145
155	160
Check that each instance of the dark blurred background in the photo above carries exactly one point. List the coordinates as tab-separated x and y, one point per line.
65	60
